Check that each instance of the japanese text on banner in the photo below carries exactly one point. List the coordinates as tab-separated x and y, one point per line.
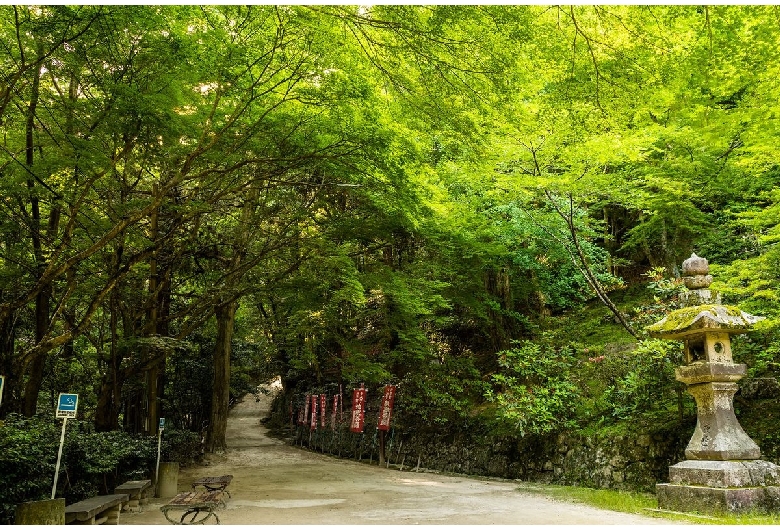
314	401
333	414
358	413
323	407
386	408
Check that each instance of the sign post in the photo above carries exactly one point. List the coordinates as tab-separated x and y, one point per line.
2	384
67	404
159	445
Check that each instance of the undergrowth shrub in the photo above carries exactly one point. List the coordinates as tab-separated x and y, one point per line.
535	392
180	446
28	453
639	382
93	463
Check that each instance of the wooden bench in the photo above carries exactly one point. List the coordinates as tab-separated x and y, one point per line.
103	509
138	490
196	503
214	483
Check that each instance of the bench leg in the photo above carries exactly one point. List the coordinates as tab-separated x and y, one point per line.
165	513
112	515
196	513
133	505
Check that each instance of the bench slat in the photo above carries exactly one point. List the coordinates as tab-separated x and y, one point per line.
133	487
88	508
93	505
213	481
194	498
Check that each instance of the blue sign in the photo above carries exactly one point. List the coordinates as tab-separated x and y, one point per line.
67	405
162	423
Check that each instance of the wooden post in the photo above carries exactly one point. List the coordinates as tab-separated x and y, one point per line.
382	447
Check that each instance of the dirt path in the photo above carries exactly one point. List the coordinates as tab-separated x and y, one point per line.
275	483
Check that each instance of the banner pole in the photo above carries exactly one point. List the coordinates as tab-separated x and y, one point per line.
390	448
59	459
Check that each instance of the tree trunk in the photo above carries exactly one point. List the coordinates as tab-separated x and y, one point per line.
35	366
153	375
7	365
225	315
105	420
33	386
107	409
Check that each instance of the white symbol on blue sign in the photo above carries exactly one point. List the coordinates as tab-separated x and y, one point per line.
162	423
66	405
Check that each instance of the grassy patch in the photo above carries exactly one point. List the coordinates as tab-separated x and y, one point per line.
640	504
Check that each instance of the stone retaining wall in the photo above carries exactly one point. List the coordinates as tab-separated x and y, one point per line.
636	462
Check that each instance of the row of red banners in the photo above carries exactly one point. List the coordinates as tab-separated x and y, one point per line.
317	404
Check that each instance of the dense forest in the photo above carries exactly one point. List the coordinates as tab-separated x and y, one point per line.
484	205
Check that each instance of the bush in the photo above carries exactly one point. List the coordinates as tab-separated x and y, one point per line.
437	394
180	446
535	393
93	463
28	453
639	382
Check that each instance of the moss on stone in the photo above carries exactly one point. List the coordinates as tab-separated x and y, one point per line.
701	317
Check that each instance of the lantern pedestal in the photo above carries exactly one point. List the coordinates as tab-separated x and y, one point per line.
718	434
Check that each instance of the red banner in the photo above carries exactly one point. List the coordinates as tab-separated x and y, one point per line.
333	414
314	401
358	412
306	410
323	407
386	408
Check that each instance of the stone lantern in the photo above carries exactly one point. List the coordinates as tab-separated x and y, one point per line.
723	470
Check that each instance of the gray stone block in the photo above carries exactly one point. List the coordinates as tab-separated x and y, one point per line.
40	512
725	474
772	498
703	499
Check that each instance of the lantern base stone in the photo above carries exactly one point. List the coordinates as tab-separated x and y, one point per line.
725	474
703	499
709	486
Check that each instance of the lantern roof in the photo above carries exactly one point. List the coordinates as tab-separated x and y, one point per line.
687	321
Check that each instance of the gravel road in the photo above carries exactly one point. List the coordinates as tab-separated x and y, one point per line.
274	483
